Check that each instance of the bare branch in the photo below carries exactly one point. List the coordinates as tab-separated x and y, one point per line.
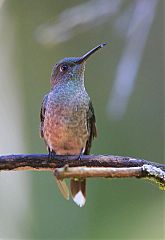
108	172
108	166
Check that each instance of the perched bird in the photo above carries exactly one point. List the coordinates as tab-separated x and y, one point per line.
67	120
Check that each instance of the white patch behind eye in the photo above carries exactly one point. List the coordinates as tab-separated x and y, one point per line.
61	69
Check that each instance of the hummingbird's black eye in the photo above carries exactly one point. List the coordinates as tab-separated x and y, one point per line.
64	68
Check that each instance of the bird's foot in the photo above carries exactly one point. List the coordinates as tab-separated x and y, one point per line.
79	156
51	154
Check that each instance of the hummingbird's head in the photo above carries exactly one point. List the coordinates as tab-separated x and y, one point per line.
72	68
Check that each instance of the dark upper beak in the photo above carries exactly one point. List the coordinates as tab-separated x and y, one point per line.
88	54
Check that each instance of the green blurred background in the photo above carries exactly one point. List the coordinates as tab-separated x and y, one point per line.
34	35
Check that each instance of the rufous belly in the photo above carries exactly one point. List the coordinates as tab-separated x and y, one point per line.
65	135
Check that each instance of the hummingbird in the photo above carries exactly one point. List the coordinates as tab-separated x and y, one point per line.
67	119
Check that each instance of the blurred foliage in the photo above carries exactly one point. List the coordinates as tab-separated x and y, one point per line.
115	209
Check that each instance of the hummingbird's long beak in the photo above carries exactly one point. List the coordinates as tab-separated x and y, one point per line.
88	54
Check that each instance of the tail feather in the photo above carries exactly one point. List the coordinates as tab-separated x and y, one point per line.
78	191
63	188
